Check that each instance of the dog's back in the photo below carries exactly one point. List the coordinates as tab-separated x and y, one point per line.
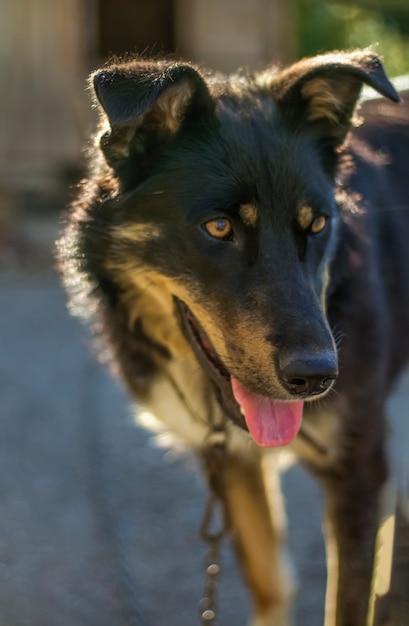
370	277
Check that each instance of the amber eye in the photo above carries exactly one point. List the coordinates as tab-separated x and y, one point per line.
318	224
220	228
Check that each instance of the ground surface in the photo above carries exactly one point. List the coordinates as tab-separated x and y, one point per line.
98	523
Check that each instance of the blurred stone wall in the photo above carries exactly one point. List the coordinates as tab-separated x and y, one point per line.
47	48
43	108
227	34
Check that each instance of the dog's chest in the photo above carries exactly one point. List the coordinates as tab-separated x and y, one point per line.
319	439
181	402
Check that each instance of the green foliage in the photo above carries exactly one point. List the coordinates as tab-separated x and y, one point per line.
328	25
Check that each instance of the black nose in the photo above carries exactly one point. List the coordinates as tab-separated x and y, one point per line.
308	375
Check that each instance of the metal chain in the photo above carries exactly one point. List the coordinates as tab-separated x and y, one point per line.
216	524
207	605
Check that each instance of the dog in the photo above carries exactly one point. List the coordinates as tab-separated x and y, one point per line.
241	246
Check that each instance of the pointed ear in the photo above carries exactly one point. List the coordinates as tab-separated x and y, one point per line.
320	93
146	103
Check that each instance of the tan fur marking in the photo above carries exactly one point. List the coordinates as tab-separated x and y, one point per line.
136	232
248	214
305	217
148	296
260	541
332	558
324	103
172	104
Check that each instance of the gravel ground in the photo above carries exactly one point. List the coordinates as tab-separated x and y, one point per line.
98	523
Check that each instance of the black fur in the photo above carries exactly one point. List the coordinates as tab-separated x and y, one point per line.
182	147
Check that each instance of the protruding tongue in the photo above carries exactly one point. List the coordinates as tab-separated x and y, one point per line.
270	423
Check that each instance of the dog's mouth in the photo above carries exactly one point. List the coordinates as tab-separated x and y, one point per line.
271	423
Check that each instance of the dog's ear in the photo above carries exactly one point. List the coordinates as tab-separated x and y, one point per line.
321	92
146	103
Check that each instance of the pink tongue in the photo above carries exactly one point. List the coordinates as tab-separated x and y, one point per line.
271	424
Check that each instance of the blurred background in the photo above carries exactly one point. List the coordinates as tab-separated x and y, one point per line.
97	522
48	47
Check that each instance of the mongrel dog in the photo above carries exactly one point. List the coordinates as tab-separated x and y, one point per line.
225	244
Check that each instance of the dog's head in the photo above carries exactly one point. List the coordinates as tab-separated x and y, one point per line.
225	206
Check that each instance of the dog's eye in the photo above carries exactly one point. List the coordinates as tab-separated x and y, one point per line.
318	224
220	228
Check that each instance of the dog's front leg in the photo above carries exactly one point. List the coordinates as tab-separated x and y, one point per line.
258	526
352	509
